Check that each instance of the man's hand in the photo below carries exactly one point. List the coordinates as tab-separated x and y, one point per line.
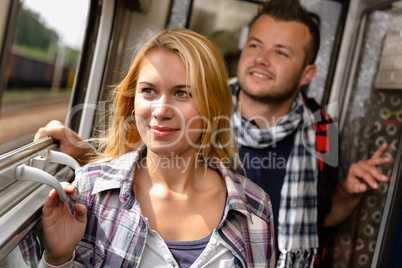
365	174
362	176
70	142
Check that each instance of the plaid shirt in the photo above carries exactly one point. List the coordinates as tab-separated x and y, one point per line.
116	230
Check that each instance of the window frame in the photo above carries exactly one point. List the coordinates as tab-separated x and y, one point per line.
18	219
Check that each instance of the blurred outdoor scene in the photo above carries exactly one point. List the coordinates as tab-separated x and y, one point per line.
41	67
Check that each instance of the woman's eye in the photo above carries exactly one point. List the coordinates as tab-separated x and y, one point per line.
182	94
147	90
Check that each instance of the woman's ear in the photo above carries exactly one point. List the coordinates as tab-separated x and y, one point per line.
308	73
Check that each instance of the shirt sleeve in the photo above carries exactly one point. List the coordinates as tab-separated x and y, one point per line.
327	182
14	259
70	264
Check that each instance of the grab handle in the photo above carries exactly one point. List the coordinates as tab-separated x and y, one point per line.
62	158
27	173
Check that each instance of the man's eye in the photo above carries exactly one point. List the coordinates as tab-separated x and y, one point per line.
253	45
281	53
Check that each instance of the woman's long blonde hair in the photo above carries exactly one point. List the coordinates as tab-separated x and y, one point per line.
207	74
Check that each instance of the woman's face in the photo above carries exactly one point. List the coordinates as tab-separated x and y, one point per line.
166	116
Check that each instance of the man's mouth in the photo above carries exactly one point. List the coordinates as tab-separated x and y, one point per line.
260	75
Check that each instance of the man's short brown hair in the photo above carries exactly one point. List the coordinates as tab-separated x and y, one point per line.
291	10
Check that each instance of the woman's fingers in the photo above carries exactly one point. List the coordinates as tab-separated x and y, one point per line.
70	190
80	213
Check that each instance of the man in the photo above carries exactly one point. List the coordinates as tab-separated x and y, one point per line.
268	118
277	60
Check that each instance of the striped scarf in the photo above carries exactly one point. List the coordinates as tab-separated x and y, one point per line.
297	223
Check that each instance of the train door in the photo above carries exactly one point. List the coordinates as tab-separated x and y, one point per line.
368	86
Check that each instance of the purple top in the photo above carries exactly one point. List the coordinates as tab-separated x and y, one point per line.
187	252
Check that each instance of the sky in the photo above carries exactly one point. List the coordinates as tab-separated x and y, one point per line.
66	17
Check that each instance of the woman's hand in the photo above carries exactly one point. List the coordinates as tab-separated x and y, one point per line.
70	142
62	230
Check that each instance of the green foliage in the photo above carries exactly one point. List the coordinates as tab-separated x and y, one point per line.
23	94
32	32
35	40
33	52
71	57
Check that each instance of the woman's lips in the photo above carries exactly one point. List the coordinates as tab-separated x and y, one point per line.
162	131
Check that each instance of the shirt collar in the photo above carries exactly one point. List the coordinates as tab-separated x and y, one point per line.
119	173
236	197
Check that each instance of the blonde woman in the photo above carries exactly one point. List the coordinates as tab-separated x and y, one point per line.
164	191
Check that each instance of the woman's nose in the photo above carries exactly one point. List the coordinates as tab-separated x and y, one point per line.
162	109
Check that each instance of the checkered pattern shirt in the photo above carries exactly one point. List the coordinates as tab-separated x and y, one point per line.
116	230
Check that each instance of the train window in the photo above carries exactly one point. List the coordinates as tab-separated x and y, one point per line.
113	28
40	44
223	22
40	69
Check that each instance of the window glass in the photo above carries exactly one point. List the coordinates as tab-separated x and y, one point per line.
41	67
223	22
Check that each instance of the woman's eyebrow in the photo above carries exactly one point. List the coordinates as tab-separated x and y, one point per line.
176	86
182	86
145	82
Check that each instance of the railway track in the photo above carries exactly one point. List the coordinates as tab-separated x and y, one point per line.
15	108
23	119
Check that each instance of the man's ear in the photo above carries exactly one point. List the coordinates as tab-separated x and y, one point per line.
308	73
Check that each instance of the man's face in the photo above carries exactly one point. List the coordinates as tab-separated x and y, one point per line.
271	64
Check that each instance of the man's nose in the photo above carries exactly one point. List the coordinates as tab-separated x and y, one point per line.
263	58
